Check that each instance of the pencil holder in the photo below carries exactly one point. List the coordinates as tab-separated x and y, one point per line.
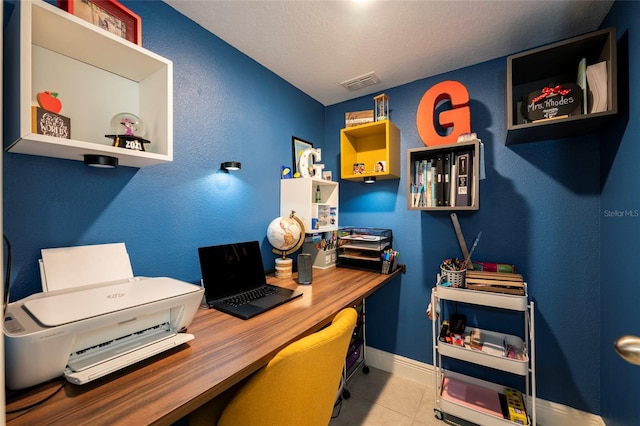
455	278
388	266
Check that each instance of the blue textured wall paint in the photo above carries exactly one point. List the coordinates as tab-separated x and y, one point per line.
540	205
538	210
620	227
226	107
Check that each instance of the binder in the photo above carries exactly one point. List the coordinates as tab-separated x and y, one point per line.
452	178
439	180
446	179
463	178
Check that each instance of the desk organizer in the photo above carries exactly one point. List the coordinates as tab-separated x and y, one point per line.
363	248
322	248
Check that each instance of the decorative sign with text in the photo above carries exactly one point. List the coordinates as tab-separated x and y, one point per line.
49	123
553	102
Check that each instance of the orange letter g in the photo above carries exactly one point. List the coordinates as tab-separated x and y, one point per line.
458	117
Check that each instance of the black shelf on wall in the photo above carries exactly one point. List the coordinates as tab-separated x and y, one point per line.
557	63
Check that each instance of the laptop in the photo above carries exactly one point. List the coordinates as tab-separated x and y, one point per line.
235	283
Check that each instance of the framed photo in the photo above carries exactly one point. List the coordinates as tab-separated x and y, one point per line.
326	175
109	15
298	147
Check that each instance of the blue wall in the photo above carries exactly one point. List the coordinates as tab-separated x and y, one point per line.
226	107
538	210
540	204
620	226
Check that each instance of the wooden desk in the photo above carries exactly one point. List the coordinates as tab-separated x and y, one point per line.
165	388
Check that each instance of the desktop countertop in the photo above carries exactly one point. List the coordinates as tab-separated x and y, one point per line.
226	349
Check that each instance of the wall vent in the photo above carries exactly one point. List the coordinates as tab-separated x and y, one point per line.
357	83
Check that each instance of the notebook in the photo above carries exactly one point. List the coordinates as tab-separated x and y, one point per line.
235	283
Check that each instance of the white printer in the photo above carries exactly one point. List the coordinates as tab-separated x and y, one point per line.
87	331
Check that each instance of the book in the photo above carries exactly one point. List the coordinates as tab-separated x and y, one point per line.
597	85
434	187
582	82
428	185
463	178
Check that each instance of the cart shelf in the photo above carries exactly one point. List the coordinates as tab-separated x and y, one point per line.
492	352
496	300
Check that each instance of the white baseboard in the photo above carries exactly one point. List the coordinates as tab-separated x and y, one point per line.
402	366
547	413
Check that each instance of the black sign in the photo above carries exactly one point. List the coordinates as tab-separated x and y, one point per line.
553	102
50	124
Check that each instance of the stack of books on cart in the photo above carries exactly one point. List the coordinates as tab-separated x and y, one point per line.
495	282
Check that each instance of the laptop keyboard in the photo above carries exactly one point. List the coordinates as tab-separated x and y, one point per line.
244	298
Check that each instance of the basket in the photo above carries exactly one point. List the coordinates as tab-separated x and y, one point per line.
455	278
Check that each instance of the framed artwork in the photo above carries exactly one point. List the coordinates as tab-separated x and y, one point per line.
326	175
109	15
298	147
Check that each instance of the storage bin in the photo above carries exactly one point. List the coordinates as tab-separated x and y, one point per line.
455	278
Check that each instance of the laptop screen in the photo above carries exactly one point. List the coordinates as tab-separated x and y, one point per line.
228	269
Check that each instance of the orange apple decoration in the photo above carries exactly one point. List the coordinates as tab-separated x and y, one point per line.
49	101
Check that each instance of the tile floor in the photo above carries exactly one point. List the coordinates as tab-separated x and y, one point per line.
383	399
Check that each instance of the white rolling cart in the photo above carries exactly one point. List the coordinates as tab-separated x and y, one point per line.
449	385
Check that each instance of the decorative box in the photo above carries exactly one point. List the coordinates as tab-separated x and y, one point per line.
357	118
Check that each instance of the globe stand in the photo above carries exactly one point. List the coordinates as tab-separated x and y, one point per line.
284	266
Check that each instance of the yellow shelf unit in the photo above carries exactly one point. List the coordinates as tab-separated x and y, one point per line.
368	144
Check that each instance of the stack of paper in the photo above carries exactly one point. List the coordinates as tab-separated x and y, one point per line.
597	83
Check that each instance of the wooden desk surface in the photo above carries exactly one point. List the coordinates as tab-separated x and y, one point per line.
165	388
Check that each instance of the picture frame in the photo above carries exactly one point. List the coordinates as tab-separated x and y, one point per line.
109	15
297	147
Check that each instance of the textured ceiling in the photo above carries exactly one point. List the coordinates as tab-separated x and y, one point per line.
316	45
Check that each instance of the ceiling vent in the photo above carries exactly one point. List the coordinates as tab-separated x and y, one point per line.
357	83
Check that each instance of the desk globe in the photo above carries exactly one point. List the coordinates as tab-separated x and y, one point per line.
286	235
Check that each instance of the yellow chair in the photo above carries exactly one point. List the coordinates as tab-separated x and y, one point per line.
297	387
